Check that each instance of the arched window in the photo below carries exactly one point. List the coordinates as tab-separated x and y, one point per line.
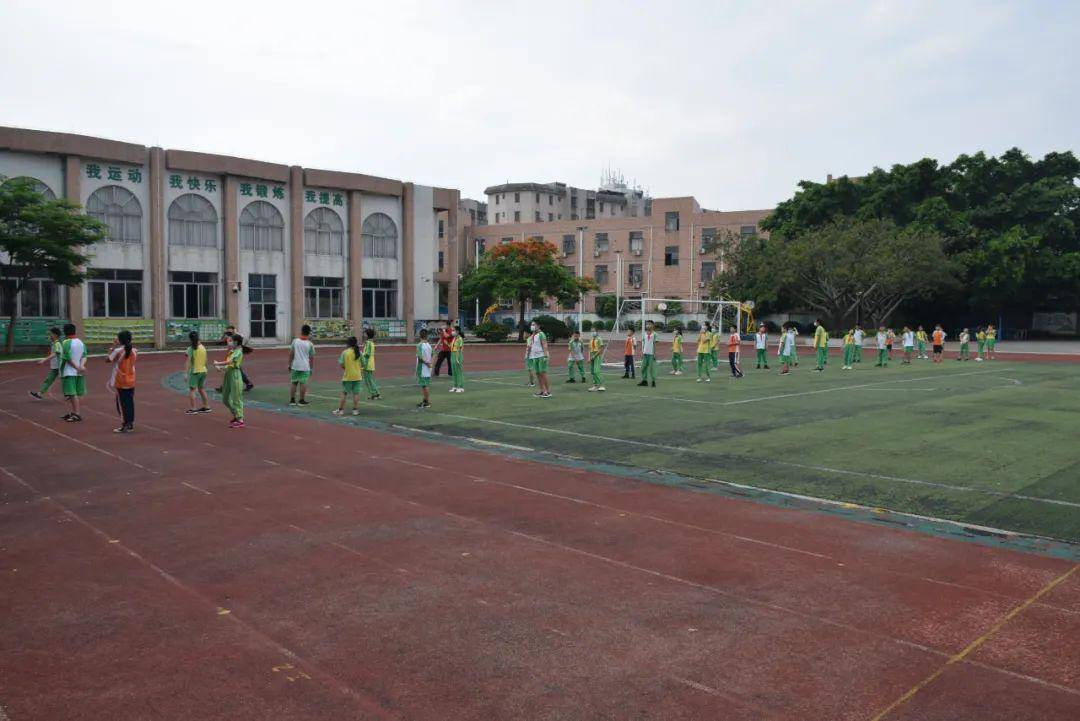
324	233
118	209
38	186
193	221
261	227
380	236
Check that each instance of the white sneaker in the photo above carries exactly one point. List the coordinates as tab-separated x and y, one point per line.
338	412
356	412
698	380
601	389
591	388
708	380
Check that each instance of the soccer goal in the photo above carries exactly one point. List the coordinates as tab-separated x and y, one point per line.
634	312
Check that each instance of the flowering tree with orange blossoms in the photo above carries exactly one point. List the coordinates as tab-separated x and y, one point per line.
523	271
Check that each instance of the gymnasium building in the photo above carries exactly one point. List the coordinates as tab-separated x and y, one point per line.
197	241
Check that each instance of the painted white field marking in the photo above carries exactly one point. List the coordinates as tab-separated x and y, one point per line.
584	502
365	702
766	461
83	443
196	488
480	441
5	382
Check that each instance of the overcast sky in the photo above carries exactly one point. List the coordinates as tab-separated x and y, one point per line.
732	102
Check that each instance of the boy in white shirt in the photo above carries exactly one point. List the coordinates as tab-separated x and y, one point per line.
72	369
301	363
761	343
859	335
786	349
909	345
538	359
882	339
648	355
423	369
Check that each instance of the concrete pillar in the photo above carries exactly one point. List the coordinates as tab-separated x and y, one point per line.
296	248
356	260
72	187
232	251
453	252
158	262
408	201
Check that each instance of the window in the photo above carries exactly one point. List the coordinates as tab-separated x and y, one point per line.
440	261
568	244
517	216
517	197
601	243
262	300
600	275
496	199
261	227
442	229
708	238
637	242
323	297
634	275
39	298
538	218
380	298
590	209
192	221
324	233
193	295
671	255
551	200
601	206
747	231
708	272
551	217
671	220
117	208
37	186
115	293
380	236
538	198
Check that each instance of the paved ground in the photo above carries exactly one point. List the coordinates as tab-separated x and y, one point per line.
300	570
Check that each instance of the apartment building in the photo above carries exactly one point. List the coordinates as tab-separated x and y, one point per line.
196	241
515	203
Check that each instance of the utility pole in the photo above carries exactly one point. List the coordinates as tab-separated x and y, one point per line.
581	272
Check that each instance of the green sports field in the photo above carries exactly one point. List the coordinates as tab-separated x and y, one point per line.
994	444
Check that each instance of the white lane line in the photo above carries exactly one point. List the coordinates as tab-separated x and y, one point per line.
766	461
196	488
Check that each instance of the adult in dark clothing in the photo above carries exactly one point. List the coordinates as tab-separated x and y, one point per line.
445	339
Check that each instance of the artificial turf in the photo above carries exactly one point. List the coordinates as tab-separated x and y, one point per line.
992	443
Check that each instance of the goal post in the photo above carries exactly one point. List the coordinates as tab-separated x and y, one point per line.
693	313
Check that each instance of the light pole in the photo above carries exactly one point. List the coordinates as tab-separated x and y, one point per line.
618	282
581	272
476	265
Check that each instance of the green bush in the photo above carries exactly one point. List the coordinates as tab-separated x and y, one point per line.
606	306
492	332
674	325
553	328
586	325
693	325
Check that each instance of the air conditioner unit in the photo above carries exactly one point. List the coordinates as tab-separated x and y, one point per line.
701	250
636	252
637	285
701	284
596	253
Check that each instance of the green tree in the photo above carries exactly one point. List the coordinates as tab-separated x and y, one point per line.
1013	224
523	271
607	305
39	237
844	268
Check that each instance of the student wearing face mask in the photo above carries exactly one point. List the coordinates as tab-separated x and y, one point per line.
538	359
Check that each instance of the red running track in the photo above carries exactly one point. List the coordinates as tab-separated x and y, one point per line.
297	570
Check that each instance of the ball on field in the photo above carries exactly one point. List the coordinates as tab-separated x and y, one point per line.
661	307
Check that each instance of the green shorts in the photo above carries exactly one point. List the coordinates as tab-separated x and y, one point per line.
423	381
787	359
538	365
74	386
908	348
299	376
351	387
196	380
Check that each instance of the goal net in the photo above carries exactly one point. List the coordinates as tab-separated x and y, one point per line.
690	314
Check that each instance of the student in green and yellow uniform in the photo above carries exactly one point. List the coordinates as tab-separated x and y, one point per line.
921	338
596	359
648	355
575	358
676	353
351	362
991	341
794	331
882	351
367	359
53	359
73	372
821	345
965	340
849	350
196	375
704	354
457	357
232	387
761	345
980	338
714	347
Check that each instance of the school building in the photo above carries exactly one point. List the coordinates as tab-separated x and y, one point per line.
197	241
666	251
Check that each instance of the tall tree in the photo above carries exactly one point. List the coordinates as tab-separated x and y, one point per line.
39	237
1012	223
840	270
524	271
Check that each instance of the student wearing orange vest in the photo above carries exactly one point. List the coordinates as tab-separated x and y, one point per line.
733	353
628	353
939	343
123	380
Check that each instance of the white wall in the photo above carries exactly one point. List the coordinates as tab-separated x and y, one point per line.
186	258
425	254
329	266
263	261
49	169
385	268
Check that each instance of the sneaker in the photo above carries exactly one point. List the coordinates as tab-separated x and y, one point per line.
302	403
708	380
123	429
66	416
73	418
698	380
355	412
35	394
337	412
654	384
292	401
423	404
571	380
248	387
591	388
191	412
643	383
460	390
204	409
625	375
766	367
532	385
236	424
784	373
538	395
546	395
601	389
